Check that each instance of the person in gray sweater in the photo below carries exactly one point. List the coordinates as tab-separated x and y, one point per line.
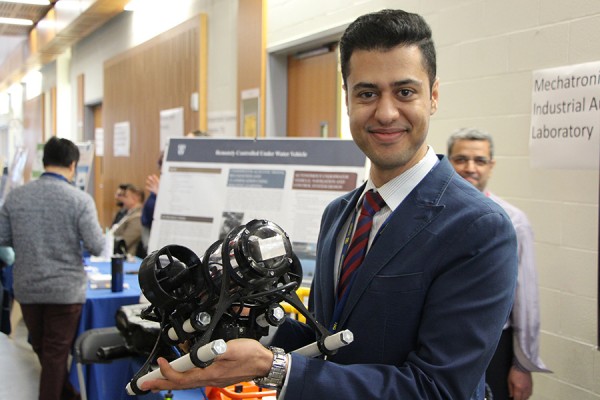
46	222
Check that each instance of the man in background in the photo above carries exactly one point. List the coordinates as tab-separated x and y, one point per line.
152	185
46	222
129	228
119	203
471	152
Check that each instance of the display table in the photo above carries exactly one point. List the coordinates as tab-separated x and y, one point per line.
102	304
108	381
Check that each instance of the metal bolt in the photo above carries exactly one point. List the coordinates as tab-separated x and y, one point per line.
278	313
203	318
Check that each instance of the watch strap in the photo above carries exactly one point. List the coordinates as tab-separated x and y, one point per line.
277	374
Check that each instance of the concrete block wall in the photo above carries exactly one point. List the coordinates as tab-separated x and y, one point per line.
487	50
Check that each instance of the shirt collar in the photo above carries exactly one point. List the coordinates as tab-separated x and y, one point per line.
396	190
55	176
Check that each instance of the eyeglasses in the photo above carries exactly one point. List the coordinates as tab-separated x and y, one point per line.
462	160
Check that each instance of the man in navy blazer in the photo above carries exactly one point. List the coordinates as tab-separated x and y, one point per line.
427	306
428	302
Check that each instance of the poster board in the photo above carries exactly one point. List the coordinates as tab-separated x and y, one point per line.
37	168
84	166
209	186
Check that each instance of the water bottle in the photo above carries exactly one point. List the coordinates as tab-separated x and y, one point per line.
116	264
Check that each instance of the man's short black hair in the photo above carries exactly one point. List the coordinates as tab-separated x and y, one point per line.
60	152
384	30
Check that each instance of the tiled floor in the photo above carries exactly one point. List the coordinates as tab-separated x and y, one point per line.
19	368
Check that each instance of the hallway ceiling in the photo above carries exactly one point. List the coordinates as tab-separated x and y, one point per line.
12	35
57	26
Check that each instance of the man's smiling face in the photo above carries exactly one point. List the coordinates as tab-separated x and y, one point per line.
389	105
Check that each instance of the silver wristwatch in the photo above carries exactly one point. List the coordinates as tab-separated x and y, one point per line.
276	376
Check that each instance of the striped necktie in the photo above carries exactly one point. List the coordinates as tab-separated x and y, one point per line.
372	203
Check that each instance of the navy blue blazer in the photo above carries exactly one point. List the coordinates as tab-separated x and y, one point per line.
427	306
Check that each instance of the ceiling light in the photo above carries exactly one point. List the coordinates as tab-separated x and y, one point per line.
34	2
16	21
137	5
131	6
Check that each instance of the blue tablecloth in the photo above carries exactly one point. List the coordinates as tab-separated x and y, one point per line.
102	304
108	381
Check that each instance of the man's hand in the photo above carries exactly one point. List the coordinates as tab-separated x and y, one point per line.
520	384
152	182
244	360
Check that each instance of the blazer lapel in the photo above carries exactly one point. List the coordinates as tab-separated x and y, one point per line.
343	212
415	213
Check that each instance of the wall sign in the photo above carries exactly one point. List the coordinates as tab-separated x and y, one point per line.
565	117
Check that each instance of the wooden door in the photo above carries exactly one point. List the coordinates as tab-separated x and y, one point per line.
103	215
313	94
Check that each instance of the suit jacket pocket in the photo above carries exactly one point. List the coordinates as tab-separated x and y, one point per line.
397	283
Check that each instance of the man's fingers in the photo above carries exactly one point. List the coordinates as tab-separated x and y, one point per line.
167	372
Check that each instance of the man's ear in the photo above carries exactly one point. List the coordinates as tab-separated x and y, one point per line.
435	93
72	169
346	99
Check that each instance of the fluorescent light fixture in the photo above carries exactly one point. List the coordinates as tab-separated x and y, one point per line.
138	5
132	6
34	2
16	21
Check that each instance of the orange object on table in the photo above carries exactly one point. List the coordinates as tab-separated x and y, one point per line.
244	390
